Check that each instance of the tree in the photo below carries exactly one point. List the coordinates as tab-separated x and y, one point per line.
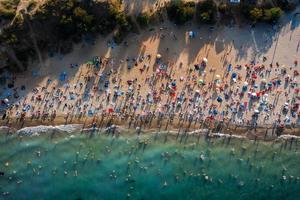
256	14
181	12
143	19
205	17
206	11
79	12
272	14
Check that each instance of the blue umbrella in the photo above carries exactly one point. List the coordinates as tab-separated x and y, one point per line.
242	107
229	68
215	112
63	76
219	99
90	113
234	75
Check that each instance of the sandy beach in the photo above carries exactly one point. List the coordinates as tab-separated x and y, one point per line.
165	72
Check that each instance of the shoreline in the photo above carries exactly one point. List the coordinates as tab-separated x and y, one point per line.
91	125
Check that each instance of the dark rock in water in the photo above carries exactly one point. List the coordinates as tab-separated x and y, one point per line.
2	173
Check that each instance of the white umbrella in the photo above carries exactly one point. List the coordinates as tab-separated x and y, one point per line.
6	100
158	56
254	94
245	83
205	60
256	111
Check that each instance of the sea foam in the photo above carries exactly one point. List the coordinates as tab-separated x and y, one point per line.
36	130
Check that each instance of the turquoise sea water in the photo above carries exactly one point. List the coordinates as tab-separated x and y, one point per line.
150	167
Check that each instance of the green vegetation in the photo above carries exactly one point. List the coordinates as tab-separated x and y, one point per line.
124	23
256	14
57	24
8	8
206	11
180	12
266	15
143	19
224	9
272	14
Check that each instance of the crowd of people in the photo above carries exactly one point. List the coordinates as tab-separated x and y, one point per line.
251	94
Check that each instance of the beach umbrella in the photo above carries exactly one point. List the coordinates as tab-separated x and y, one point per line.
254	94
264	80
218	76
201	81
215	112
173	84
197	91
229	68
234	75
234	80
256	111
129	82
90	113
245	83
6	100
242	106
205	60
219	99
158	56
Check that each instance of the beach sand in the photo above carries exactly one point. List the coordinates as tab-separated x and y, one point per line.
224	45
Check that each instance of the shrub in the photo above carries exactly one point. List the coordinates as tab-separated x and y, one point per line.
206	11
272	14
8	8
256	14
180	12
223	8
118	37
143	19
